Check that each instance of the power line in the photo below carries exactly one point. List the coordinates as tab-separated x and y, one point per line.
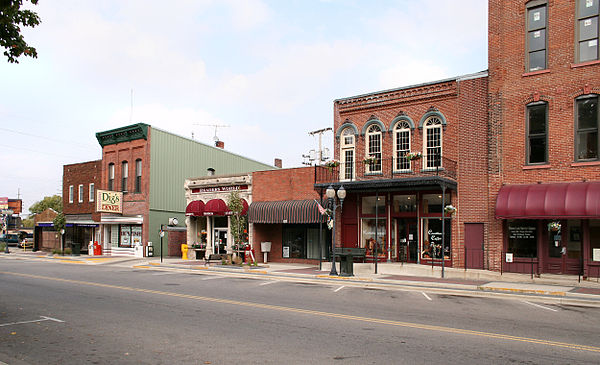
47	138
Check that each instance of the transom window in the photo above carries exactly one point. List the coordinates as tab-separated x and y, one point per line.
537	133
536	35
374	148
402	145
586	138
347	154
587	30
433	143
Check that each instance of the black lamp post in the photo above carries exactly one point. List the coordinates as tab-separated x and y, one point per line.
341	194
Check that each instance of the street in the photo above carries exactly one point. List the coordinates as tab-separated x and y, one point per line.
60	313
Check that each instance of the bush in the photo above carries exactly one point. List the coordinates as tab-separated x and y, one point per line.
67	251
2	246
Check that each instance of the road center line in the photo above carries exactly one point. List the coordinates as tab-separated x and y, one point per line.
211	277
272	307
44	318
340	288
426	296
540	306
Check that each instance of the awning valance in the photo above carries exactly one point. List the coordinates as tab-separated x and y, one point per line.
288	211
218	207
549	201
195	208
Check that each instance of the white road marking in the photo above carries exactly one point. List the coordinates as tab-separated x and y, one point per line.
268	282
211	278
426	296
164	273
541	306
35	320
340	288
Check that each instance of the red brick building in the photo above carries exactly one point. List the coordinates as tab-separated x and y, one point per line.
544	166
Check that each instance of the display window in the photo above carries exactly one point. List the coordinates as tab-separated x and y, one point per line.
432	203
372	205
124	235
595	240
522	238
373	236
404	204
301	241
434	240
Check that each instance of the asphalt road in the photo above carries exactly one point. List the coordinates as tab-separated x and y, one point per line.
59	313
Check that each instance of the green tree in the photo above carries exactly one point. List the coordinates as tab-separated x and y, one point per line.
54	202
59	222
11	18
239	223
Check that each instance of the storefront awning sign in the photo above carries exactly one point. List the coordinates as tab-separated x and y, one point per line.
288	211
195	208
109	201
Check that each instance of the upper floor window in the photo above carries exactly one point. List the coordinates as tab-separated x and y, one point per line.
111	176
586	124
138	176
374	148
433	143
347	144
80	195
587	30
71	193
124	175
536	35
92	192
402	145
537	133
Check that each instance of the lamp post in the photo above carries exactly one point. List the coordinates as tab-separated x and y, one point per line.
341	194
62	241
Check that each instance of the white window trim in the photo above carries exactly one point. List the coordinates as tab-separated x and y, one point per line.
347	147
92	191
80	193
71	193
367	148
400	128
430	125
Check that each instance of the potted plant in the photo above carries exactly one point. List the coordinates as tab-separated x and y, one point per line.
413	156
449	209
370	160
332	164
554	226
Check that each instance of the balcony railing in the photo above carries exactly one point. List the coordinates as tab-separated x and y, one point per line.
387	168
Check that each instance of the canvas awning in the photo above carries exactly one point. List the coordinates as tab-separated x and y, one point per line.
195	208
288	211
218	207
578	200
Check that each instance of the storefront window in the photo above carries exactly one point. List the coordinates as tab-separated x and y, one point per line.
433	238
125	236
522	238
370	202
404	203
372	239
302	241
595	239
432	203
574	239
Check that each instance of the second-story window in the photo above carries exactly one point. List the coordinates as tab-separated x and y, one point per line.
138	176
433	143
587	30
111	176
124	176
537	133
92	192
402	145
373	148
536	35
71	193
347	144
80	191
586	134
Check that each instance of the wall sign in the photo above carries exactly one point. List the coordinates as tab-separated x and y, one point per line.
217	189
521	232
109	201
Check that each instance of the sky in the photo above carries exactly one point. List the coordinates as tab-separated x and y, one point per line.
268	70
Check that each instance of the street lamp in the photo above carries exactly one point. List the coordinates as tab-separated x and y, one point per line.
62	241
341	194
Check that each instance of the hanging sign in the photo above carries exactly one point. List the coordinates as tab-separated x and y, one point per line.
109	201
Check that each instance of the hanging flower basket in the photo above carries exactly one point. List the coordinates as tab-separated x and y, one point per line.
370	160
450	209
332	164
413	156
554	226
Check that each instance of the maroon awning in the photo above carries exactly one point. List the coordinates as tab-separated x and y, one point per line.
549	201
215	207
195	208
245	204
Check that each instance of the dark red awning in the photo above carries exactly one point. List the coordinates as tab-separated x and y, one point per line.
216	207
549	201
195	208
245	204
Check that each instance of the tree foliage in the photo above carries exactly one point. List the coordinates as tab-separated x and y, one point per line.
239	224
12	17
59	222
54	202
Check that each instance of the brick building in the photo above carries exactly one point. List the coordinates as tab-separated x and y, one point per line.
544	166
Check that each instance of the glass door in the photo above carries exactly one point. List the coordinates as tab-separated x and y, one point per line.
407	240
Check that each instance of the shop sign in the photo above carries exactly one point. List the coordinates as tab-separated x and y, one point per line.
509	257
218	189
3	203
286	252
521	232
596	254
109	201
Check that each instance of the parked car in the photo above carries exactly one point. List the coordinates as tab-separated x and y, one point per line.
10	239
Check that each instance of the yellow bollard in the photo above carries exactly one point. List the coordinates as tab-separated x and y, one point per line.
184	251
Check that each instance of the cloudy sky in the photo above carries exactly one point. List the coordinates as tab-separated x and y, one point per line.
268	69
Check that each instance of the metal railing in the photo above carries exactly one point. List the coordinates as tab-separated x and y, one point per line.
387	168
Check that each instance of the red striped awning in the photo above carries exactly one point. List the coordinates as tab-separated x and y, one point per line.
289	211
195	208
549	201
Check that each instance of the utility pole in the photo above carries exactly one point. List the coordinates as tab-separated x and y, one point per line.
319	158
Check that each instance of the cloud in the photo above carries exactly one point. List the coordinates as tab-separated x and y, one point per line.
248	14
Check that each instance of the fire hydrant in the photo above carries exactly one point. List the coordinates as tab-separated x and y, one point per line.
184	251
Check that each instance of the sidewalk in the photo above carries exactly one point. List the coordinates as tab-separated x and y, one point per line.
408	276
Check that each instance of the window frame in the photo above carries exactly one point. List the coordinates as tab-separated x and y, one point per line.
587	130
347	171
80	193
124	176
138	175
111	176
578	41
433	122
529	135
71	193
92	192
530	6
401	128
372	138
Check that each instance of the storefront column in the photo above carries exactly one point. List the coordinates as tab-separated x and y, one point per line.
229	237
191	230
209	237
586	247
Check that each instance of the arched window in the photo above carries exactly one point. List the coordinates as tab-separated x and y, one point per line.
347	145
138	175
124	175
432	140
401	146
373	137
111	176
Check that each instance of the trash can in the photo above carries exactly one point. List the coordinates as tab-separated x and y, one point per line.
75	249
347	255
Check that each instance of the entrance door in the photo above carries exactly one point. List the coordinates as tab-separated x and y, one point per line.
474	245
564	249
220	240
407	240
